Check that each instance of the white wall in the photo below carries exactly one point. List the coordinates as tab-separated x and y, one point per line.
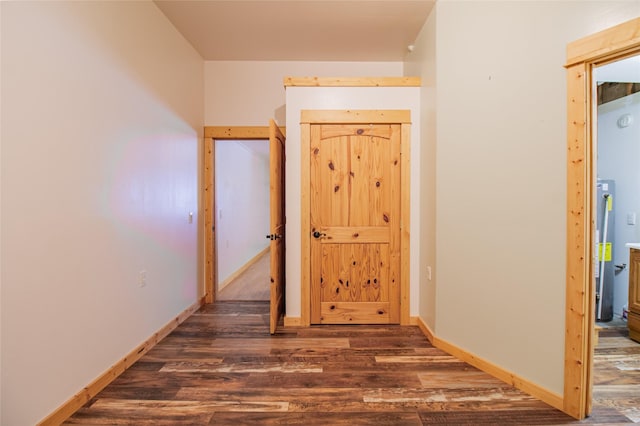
245	93
501	174
353	98
101	120
242	204
619	159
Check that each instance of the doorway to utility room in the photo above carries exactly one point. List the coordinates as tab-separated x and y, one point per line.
242	219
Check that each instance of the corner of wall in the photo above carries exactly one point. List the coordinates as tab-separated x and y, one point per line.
422	62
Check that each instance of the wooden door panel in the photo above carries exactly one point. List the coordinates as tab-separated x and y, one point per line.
355	313
355	215
277	224
354	234
333	130
354	272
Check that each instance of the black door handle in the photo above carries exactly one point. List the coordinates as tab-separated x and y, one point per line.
318	234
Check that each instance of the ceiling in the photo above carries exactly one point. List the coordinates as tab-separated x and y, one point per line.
298	30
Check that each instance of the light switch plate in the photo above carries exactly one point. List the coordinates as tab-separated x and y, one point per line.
631	218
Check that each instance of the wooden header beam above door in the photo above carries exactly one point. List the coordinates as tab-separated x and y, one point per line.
352	82
238	132
608	43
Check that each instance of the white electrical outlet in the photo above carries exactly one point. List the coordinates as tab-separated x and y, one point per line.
429	273
142	278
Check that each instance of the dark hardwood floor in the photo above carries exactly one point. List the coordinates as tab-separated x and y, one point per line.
222	367
617	372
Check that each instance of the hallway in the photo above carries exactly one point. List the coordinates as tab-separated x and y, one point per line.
251	284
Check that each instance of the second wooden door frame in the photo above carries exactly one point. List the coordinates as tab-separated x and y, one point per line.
365	117
212	134
582	56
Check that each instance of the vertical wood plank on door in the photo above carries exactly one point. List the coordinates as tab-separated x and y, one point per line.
360	261
305	225
360	169
405	211
338	275
337	184
277	224
312	183
375	272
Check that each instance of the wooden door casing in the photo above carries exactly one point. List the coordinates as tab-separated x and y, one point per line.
634	281
277	221
355	216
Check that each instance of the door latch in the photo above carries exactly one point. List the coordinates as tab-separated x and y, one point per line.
273	236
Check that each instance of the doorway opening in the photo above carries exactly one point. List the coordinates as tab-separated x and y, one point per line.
276	236
616	131
616	86
582	57
217	136
242	219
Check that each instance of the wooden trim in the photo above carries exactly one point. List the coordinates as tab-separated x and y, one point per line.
417	321
582	55
496	371
610	42
213	133
329	116
500	373
578	254
305	223
405	222
208	197
238	132
352	82
308	117
293	322
76	402
243	268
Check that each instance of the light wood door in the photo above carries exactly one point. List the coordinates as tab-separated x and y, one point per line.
276	160
355	223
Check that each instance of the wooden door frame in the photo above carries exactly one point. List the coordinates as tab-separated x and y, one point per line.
211	134
582	56
309	117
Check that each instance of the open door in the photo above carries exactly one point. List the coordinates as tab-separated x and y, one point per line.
276	160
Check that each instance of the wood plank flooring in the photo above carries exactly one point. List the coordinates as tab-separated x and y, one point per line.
221	367
617	372
252	284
